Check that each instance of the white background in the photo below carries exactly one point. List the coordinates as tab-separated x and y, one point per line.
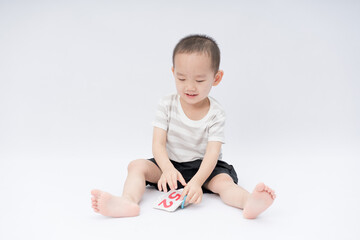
80	81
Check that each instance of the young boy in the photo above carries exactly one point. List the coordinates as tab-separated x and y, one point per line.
187	138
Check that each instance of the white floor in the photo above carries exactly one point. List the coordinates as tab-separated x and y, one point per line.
79	83
48	198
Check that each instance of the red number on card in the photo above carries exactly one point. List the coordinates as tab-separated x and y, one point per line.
177	196
165	204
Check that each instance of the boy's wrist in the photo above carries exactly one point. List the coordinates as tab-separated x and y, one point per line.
165	165
197	180
167	168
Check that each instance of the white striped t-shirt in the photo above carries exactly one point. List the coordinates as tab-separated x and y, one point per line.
187	139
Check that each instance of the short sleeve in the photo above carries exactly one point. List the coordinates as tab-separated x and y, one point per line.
217	128
161	117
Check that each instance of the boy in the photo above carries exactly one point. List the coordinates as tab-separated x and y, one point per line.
187	138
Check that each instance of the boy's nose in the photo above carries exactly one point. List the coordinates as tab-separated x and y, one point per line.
191	86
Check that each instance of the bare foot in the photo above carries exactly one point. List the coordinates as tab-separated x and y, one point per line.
260	199
113	206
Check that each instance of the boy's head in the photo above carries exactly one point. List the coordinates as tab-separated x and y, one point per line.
196	60
201	44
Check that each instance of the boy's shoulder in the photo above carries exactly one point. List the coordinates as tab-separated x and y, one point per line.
216	106
170	96
168	99
214	101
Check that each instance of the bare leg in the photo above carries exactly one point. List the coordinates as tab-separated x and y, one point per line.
128	204
253	204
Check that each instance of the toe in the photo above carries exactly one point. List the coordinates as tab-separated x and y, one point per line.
272	194
96	193
260	187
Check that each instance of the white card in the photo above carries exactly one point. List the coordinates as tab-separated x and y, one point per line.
170	201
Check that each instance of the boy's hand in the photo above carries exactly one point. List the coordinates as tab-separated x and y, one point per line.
193	191
170	176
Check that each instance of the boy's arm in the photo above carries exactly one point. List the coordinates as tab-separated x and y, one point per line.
170	174
193	189
209	162
159	149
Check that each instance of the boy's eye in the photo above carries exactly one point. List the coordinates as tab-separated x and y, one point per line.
200	80
181	79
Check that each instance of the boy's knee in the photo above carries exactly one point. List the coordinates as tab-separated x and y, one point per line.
223	178
220	182
138	165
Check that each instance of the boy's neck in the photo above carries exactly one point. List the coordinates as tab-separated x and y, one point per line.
196	111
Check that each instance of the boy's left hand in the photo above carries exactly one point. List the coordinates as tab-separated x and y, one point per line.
193	191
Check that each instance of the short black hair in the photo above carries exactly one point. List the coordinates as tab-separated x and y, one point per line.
199	44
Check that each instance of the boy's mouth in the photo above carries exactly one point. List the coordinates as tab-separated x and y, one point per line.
190	94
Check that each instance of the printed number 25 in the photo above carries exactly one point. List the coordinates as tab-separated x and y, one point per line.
171	196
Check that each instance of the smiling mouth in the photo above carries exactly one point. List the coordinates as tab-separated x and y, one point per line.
191	95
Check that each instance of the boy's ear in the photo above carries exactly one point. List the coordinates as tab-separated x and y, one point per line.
218	77
172	69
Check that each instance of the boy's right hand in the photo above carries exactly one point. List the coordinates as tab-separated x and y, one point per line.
170	176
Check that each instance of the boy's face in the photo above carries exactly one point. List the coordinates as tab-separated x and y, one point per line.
194	77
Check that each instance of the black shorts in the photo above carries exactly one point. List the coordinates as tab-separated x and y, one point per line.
189	169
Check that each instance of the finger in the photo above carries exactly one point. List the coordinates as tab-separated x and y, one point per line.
198	200
190	196
159	185
174	181
193	198
184	193
181	179
170	182
164	186
161	182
